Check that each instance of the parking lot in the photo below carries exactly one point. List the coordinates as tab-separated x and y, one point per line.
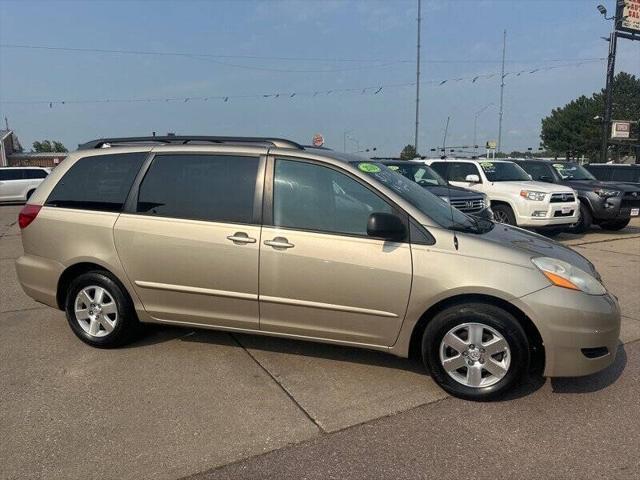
184	402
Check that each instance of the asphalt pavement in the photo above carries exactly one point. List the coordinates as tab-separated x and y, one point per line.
183	402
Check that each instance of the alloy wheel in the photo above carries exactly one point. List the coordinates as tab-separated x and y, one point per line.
475	355
96	311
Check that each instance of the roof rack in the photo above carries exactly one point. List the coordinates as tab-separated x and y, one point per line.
186	139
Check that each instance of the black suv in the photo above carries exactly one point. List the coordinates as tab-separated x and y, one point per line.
616	172
607	204
465	200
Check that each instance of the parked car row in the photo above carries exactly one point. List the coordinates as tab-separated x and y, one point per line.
549	196
266	236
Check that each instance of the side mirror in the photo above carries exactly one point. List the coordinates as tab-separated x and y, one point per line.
472	179
530	176
387	226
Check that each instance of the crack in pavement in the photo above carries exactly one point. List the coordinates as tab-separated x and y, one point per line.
282	387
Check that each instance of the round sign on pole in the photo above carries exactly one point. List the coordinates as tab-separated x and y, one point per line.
318	140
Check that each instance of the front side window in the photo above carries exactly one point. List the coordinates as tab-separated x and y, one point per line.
217	188
99	182
503	172
313	197
458	171
34	173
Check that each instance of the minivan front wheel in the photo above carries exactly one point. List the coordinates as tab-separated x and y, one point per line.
99	311
475	351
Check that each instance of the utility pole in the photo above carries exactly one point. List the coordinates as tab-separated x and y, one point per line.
504	49
611	68
415	141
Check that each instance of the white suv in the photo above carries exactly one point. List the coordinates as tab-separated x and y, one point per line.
18	183
515	198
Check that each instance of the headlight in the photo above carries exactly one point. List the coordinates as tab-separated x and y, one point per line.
563	274
532	195
606	193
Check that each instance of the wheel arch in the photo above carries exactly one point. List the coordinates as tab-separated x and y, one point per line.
532	332
73	271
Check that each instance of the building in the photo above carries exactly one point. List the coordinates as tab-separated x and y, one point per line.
11	154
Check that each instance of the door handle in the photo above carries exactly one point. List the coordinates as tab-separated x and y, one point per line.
240	238
279	242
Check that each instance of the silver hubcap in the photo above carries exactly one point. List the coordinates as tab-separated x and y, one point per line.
96	311
475	355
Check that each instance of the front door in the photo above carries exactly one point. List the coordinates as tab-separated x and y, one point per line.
191	246
321	276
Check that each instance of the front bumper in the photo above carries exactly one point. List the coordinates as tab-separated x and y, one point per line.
612	208
579	331
535	214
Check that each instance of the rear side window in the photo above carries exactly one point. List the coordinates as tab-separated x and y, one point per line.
34	173
601	173
217	188
11	174
440	168
100	182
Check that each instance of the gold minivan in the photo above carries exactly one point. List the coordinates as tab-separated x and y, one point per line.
266	236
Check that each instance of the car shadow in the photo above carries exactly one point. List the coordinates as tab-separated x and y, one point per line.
594	382
155	334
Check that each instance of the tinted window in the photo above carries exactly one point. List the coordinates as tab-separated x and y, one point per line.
537	170
312	197
625	174
458	171
440	168
600	172
100	182
503	172
34	173
11	174
201	187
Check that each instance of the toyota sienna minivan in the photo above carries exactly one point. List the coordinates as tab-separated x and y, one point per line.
269	237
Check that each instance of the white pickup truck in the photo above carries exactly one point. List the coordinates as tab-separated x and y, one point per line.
515	198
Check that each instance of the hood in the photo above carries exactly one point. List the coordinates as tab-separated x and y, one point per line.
537	186
536	245
594	184
451	191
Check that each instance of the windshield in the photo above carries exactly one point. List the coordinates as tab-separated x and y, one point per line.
504	172
434	207
421	174
573	171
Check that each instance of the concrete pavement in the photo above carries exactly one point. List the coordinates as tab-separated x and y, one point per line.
183	401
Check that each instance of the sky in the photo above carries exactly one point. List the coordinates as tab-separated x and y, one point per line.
350	64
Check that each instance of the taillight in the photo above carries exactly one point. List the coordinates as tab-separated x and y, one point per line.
28	214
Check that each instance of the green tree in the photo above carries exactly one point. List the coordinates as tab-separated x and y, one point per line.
49	146
573	130
408	153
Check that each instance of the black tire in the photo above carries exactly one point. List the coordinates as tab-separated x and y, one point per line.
615	225
126	325
504	214
29	193
585	219
491	316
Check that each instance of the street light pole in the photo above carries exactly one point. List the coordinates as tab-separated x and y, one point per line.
415	140
475	126
504	49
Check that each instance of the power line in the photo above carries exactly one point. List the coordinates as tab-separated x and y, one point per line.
285	58
372	89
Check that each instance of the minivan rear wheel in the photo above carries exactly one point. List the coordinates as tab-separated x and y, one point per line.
99	311
475	351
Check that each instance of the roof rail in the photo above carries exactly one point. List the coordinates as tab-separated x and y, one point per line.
186	139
